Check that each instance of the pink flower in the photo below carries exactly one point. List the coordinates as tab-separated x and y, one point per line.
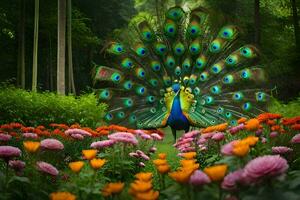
199	178
72	131
52	144
77	136
123	137
232	179
17	165
141	164
7	152
145	136
259	132
155	136
30	135
218	136
296	139
153	149
4	137
273	134
201	140
263	140
142	155
264	167
192	134
227	148
102	144
236	129
281	150
133	154
46	168
207	135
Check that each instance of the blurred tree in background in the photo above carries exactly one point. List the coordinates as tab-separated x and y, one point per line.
273	25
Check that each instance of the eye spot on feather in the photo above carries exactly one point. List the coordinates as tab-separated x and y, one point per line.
148	35
178	50
171	30
119	49
162	49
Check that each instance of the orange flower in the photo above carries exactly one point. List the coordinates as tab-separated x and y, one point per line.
290	121
216	172
187	163
242	120
296	127
76	166
219	127
240	149
163	169
141	186
144	176
266	116
31	146
189	155
97	163
252	124
150	195
271	122
251	140
160	162
275	128
181	176
62	196
162	156
112	188
89	154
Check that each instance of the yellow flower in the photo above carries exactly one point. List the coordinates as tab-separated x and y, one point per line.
158	162
144	176
216	172
89	154
62	196
31	146
181	176
76	166
162	156
163	169
97	163
189	155
150	195
240	148
112	188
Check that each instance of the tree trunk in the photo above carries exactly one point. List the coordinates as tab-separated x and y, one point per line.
21	47
61	47
71	85
257	22
35	45
296	24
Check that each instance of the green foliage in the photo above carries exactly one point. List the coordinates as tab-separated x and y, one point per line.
32	109
290	109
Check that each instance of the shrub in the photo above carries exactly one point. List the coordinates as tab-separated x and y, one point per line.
290	109
33	109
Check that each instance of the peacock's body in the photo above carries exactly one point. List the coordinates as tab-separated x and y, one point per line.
181	72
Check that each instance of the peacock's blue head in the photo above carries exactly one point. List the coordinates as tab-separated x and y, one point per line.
176	87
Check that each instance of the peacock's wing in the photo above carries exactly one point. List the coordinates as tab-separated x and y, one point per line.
219	78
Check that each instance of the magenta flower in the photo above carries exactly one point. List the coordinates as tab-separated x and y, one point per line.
52	144
46	168
4	137
199	178
145	136
8	152
263	140
258	132
133	154
201	140
17	165
227	148
102	144
30	135
218	136
296	139
72	131
207	135
191	134
236	129
273	134
142	155
123	137
281	150
231	180
264	167
155	136
77	136
153	149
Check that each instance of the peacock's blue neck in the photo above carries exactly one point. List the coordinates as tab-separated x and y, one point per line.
176	119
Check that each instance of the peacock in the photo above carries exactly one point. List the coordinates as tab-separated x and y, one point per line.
182	72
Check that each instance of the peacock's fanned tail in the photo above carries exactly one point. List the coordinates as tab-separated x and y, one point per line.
219	78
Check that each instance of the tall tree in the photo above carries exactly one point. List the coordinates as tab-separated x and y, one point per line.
71	84
257	22
21	47
35	45
61	46
296	23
